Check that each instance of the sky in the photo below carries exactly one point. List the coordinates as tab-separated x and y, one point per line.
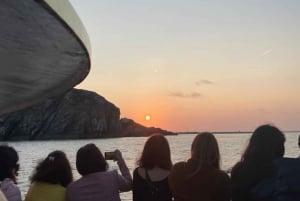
196	65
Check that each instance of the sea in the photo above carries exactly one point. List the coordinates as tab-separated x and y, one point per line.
231	147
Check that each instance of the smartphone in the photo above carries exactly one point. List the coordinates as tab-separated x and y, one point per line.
110	155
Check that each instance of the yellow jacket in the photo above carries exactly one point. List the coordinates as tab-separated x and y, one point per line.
40	191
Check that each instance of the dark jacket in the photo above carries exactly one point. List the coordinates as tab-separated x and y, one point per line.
284	185
247	174
147	190
209	183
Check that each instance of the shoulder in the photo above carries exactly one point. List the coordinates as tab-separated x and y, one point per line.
242	170
139	173
284	183
10	190
178	169
44	185
236	168
287	163
222	175
97	175
287	172
7	182
136	173
179	165
91	178
155	174
9	185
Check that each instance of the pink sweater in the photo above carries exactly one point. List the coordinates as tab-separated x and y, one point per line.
101	185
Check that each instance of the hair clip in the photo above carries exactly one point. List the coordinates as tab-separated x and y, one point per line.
51	158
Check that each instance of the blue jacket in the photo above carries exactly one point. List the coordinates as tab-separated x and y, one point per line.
284	185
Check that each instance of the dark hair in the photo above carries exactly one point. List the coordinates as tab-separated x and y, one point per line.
89	160
54	169
156	153
205	150
9	166
265	145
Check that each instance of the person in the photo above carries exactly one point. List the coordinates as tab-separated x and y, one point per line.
257	163
200	178
50	178
299	141
150	178
9	168
97	183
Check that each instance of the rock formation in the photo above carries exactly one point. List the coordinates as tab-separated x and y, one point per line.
129	128
77	114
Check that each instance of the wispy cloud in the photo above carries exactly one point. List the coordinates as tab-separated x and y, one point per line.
176	94
203	82
262	110
185	95
266	52
195	95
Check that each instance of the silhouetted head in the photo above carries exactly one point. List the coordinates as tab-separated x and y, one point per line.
9	166
257	163
54	169
156	153
205	150
266	143
89	160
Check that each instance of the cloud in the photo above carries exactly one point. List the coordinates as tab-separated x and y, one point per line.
262	110
266	52
203	82
185	95
195	95
176	94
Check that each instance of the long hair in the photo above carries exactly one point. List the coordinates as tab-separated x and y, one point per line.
9	166
54	169
156	153
265	145
89	159
205	151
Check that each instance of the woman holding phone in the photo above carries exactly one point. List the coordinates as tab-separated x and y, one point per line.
97	182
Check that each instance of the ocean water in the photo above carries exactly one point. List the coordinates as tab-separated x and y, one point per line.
231	147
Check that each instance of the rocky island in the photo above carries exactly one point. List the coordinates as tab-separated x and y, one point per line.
77	114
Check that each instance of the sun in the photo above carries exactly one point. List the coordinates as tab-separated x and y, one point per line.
148	117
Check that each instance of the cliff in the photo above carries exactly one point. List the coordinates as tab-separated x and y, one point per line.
77	114
129	128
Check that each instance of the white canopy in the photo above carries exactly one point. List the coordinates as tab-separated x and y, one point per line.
44	51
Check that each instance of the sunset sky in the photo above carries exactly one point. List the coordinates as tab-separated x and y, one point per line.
196	65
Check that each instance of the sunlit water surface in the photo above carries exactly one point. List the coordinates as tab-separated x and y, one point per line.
231	147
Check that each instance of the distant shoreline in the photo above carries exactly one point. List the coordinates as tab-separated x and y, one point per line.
230	132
